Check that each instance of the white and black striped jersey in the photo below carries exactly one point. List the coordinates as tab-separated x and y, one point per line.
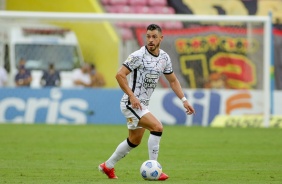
146	69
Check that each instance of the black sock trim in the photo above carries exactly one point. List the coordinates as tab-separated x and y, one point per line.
131	144
156	133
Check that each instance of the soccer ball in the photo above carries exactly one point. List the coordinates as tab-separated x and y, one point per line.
151	170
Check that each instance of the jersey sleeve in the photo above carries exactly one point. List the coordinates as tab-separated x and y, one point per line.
132	62
76	74
168	68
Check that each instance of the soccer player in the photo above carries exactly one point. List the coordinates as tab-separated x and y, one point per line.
145	67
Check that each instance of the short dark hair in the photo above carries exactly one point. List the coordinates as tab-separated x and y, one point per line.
152	27
51	66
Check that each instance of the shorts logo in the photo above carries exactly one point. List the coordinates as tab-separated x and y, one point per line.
129	120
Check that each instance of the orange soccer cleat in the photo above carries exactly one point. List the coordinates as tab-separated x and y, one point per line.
109	172
163	177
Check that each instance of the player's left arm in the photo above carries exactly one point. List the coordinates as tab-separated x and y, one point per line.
176	87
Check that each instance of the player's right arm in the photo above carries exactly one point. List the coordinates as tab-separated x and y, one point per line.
123	83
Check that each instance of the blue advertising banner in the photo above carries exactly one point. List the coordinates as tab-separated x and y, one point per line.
60	106
101	106
208	104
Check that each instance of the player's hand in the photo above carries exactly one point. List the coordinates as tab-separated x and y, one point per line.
135	103
78	82
189	109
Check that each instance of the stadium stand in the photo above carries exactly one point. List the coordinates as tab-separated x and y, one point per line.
139	7
143	9
163	10
116	2
137	2
244	7
157	2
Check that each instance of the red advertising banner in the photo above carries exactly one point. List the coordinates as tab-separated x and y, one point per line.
216	57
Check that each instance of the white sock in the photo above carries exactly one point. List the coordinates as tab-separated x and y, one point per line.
121	151
153	146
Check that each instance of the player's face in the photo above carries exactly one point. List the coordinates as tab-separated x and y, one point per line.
154	39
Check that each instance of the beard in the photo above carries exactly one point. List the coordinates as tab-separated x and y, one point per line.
153	48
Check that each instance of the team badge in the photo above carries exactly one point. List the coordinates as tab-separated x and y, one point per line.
129	120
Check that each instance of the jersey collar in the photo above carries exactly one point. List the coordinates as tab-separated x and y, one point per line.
152	53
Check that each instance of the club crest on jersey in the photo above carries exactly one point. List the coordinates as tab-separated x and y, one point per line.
132	59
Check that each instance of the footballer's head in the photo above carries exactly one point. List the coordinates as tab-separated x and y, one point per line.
154	38
153	27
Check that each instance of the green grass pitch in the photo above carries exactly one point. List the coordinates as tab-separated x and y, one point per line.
189	155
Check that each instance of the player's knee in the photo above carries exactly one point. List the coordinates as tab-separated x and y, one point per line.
157	128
